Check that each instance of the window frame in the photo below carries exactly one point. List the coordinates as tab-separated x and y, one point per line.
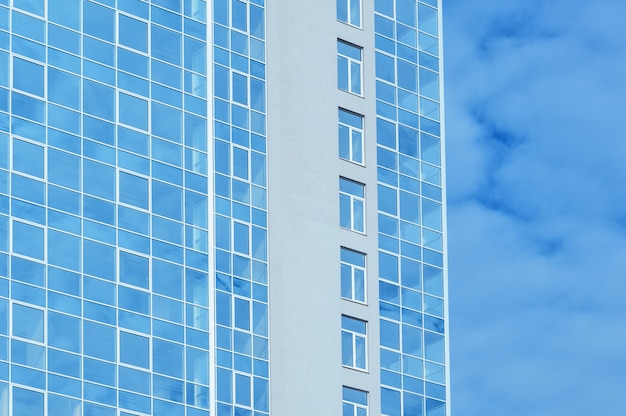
350	18
355	406
357	345
349	62
354	201
351	131
353	268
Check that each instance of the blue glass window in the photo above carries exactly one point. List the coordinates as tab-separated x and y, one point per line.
350	136
28	76
239	15
349	11
431	214
167	200
434	347
387	200
27	402
63	88
349	69
405	12
167	358
99	179
28	158
385	68
99	341
133	111
167	279
428	19
133	33
195	55
62	406
64	250
195	9
28	323
353	275
390	399
353	342
99	259
132	62
134	349
354	402
389	334
65	12
166	122
64	332
133	190
28	107
99	21
429	84
28	240
99	100
134	269
166	45
352	205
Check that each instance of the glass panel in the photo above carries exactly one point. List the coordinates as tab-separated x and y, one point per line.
27	402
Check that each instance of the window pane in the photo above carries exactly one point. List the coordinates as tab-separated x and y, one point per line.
355	12
359	219
360	352
133	33
357	147
350	135
346	281
342	72
346	348
64	332
342	10
28	323
133	190
345	219
27	402
28	76
355	77
28	240
133	111
134	350
134	269
355	396
28	158
359	285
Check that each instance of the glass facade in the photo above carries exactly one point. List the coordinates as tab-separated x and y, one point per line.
241	269
410	219
105	184
134	222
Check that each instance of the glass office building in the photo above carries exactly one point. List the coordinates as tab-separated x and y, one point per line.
222	207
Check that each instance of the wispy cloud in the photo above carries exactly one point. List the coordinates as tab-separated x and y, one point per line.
536	155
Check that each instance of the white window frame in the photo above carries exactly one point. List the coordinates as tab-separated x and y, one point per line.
349	63
357	409
354	133
354	202
352	19
358	344
353	268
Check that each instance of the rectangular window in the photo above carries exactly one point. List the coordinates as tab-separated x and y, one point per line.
352	205
354	402
349	67
349	11
350	136
353	343
352	275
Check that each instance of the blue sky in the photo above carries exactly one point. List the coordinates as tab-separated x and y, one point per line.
536	155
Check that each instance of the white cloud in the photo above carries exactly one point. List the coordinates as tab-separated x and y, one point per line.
536	156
